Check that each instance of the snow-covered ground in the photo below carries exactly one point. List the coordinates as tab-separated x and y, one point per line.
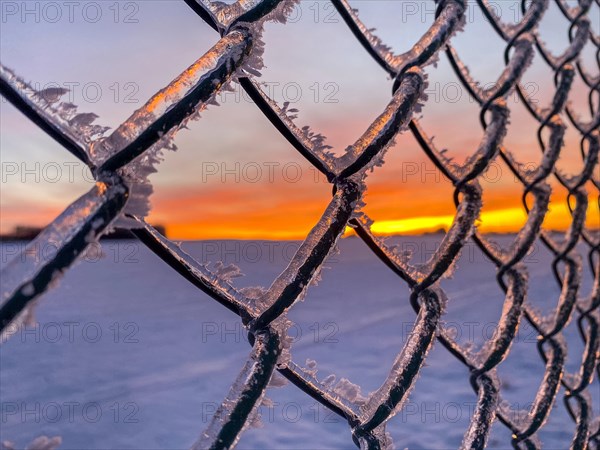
128	354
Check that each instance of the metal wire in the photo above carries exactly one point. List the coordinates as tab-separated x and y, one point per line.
239	27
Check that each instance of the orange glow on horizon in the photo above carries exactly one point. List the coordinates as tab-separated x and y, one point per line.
224	215
508	220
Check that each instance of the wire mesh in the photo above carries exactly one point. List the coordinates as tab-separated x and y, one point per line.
117	160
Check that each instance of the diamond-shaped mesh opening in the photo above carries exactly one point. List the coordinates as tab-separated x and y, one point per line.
228	193
470	327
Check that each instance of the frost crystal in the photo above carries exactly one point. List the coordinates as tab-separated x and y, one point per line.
310	140
311	368
328	380
39	443
78	126
278	380
382	50
349	391
227	272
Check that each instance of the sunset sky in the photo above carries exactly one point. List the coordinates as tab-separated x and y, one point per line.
233	175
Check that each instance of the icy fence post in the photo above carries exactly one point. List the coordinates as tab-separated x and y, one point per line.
122	161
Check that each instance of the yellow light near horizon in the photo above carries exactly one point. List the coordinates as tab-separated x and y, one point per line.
593	215
420	224
501	220
507	220
498	221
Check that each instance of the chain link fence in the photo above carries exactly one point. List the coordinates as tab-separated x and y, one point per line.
122	160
